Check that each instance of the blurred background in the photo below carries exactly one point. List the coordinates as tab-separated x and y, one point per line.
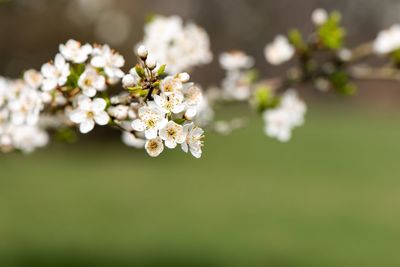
329	197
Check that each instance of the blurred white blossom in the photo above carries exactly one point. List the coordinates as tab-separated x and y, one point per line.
75	52
279	51
388	40
179	46
280	122
235	60
319	16
109	60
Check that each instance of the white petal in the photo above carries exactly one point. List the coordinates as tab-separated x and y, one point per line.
102	118
84	102
49	84
190	113
98	104
160	101
196	153
98	62
77	116
162	123
59	62
170	144
48	70
150	133
178	108
86	126
185	147
138	125
90	92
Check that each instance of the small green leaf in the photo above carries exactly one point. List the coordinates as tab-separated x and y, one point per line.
296	39
161	70
252	76
156	84
140	71
340	81
179	121
331	34
264	98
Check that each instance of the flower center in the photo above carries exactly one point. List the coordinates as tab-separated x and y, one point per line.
171	132
90	114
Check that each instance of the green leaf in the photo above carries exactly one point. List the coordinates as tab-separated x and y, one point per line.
179	121
156	84
150	17
140	71
76	71
340	81
296	39
161	70
135	88
395	56
331	34
264	98
252	76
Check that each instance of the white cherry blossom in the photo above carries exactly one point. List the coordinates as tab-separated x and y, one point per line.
154	147
131	140
91	81
111	61
294	106
33	78
171	103
171	85
55	74
151	119
279	51
179	46
387	40
172	134
89	112
235	60
278	124
319	16
27	138
119	112
193	139
75	52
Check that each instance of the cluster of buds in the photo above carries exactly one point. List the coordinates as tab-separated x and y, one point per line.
157	108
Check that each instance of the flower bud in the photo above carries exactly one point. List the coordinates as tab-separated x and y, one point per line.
151	63
119	112
142	52
128	81
319	16
184	77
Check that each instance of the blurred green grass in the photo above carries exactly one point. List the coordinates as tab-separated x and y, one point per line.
330	197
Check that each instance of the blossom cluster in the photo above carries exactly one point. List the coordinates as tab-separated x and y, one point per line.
164	111
180	46
20	105
238	80
159	106
388	41
65	87
289	114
